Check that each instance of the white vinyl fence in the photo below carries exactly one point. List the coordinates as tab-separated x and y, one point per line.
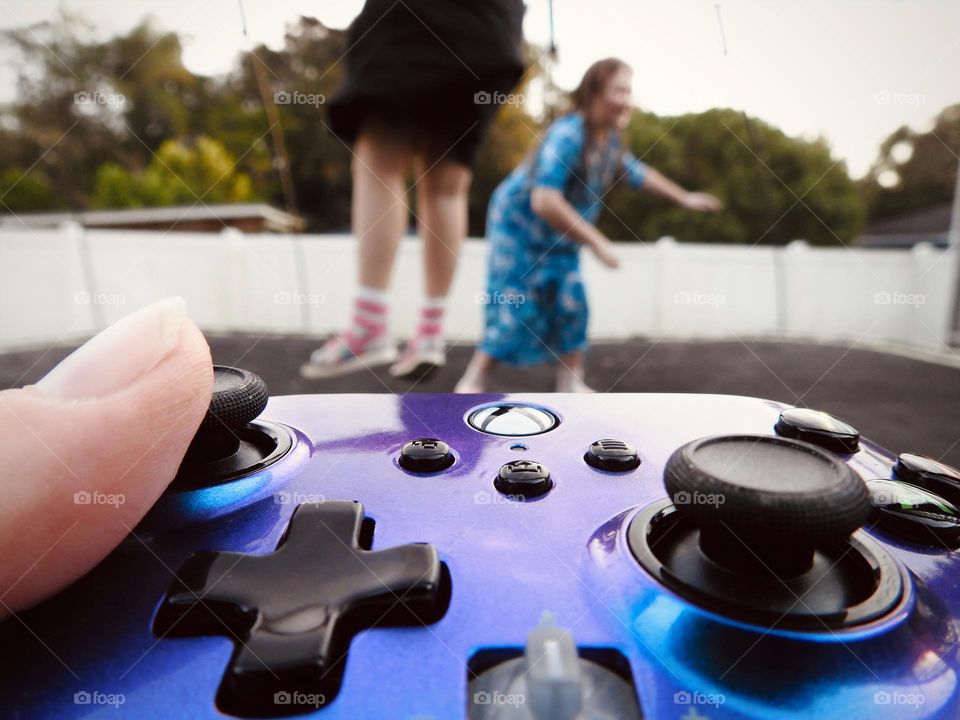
60	285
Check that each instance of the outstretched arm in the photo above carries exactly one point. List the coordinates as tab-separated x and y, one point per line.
658	184
643	177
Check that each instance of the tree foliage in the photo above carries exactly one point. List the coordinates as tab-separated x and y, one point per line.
155	133
775	188
178	175
915	169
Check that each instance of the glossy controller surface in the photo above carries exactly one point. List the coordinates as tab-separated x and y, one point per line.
563	554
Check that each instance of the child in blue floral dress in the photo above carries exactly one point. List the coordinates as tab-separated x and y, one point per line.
540	215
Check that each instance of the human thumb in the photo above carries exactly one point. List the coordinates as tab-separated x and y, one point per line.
87	450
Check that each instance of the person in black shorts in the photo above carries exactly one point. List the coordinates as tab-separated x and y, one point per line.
421	87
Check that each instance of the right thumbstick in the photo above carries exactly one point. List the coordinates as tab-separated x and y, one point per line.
764	502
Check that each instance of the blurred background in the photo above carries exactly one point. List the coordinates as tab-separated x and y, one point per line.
152	148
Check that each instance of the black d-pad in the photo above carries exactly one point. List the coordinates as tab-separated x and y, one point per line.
293	612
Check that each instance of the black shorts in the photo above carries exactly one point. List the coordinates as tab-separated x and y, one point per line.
433	72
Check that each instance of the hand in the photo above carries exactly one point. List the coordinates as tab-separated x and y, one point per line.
701	202
603	249
88	450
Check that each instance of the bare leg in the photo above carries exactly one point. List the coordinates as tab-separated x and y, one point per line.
380	166
442	207
442	210
570	373
474	380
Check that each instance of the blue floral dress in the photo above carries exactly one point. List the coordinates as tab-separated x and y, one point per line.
536	305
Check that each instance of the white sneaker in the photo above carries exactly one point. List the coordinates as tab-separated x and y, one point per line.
578	386
335	358
422	355
570	382
469	386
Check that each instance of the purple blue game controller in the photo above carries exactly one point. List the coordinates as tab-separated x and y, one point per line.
514	557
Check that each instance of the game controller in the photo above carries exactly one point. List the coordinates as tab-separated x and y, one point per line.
551	557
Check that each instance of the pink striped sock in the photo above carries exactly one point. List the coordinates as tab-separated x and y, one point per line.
369	322
431	319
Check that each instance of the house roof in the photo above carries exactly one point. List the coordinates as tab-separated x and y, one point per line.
930	224
901	240
932	219
274	218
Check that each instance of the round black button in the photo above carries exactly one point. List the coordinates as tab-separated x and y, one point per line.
914	512
930	474
425	455
525	478
612	455
512	420
819	428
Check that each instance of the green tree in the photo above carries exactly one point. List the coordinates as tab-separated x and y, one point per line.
758	171
307	71
126	147
26	191
48	131
914	169
179	174
83	102
100	150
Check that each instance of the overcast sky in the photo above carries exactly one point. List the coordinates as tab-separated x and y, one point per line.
850	70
